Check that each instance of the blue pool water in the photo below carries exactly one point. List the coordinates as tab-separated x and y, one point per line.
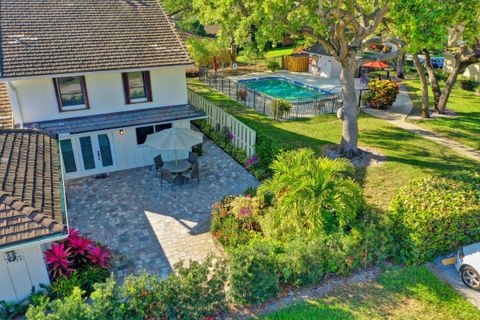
281	88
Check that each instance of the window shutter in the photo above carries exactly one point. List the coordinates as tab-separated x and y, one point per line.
126	89
148	85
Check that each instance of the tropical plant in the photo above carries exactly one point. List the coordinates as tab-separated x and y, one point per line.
58	260
280	107
383	93
273	65
309	195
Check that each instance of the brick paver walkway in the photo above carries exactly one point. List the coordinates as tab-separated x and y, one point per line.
148	227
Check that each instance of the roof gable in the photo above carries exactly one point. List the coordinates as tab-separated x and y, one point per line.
42	37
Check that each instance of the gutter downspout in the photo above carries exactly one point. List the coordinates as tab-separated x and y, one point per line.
16	110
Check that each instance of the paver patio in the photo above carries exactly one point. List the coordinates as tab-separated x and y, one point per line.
150	227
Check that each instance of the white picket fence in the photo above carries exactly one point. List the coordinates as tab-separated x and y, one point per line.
243	136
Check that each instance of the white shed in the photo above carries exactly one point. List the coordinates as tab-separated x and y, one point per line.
322	64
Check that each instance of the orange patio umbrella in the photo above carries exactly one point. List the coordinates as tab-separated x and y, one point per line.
375	64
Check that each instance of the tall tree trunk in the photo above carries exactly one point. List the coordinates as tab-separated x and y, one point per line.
432	79
400	70
349	142
233	52
452	78
423	80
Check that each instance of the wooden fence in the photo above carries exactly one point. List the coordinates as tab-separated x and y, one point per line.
243	136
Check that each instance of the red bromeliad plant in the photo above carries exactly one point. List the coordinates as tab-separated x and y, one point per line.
58	259
76	253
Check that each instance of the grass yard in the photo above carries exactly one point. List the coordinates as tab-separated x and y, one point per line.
409	156
465	128
399	293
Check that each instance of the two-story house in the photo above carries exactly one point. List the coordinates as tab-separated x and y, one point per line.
90	79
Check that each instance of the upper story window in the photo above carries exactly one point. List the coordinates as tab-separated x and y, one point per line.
136	86
71	93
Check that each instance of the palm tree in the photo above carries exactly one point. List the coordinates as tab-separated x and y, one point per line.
309	195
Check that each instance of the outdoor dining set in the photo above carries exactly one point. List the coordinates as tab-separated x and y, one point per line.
177	171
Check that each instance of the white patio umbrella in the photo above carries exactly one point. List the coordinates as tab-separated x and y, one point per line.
174	139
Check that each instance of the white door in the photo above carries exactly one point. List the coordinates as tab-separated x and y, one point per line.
96	153
15	278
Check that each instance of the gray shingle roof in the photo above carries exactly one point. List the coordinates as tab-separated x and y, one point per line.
41	37
318	49
30	194
118	119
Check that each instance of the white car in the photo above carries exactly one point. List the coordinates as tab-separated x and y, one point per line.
468	264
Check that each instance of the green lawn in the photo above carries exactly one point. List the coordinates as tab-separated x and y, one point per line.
399	293
409	156
272	53
465	128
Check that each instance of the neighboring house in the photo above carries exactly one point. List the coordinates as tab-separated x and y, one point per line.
473	71
321	63
99	75
32	209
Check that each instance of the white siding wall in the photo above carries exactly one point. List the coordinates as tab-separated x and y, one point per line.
473	71
326	67
37	99
17	278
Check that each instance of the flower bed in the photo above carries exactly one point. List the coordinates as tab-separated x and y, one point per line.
383	93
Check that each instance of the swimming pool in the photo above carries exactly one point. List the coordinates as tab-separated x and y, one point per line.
282	88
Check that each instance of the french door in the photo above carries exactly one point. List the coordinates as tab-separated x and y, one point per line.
88	154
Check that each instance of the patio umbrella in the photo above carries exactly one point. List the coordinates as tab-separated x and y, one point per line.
174	139
375	64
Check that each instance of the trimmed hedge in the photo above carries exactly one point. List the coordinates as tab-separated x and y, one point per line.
434	216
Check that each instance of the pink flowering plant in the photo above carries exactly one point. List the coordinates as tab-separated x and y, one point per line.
76	253
235	220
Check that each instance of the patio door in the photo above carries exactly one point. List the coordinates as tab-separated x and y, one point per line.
96	153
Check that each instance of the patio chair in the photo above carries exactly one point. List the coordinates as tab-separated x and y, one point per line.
168	177
158	164
193	174
193	158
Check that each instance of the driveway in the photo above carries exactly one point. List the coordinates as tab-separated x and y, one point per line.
450	275
150	227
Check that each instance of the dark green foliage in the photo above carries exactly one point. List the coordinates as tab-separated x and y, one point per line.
223	138
84	278
468	84
198	149
273	65
193	292
433	216
253	275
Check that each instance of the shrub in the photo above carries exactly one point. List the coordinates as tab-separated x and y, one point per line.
253	277
193	292
280	107
242	94
235	220
310	195
383	93
435	215
468	84
84	278
273	65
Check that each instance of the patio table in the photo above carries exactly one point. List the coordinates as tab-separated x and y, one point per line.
177	166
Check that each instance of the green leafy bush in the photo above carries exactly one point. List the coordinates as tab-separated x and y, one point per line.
193	292
223	138
383	93
468	84
253	277
280	107
433	216
273	65
84	278
235	220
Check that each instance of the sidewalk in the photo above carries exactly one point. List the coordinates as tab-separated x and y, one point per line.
397	115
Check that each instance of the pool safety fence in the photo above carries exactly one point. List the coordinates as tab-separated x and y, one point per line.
325	103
